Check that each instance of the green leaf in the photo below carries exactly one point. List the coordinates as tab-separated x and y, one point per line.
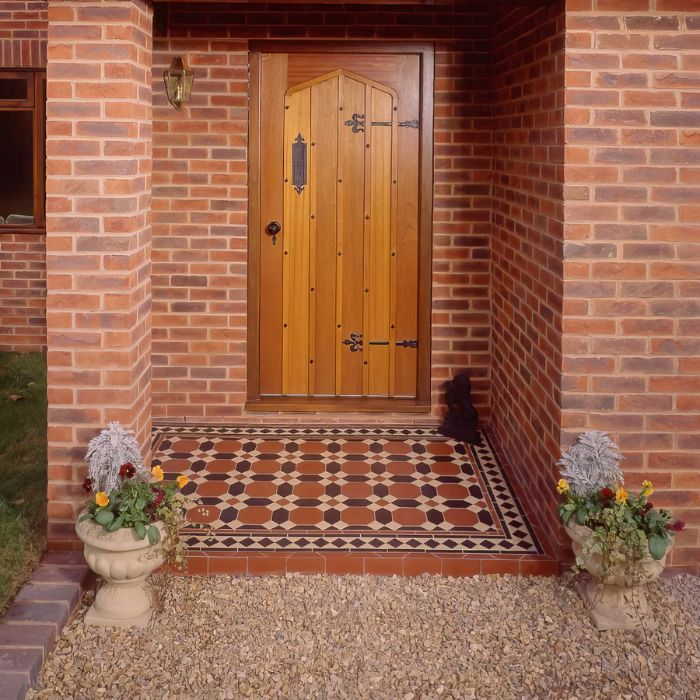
657	546
85	516
140	530
153	534
104	517
115	524
581	516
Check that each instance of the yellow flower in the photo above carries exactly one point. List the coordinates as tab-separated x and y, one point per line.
647	488
182	481
562	486
621	495
157	473
102	499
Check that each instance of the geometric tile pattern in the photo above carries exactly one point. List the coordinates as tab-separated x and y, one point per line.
261	488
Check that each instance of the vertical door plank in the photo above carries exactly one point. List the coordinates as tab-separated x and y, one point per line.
378	245
273	86
324	179
407	229
351	208
295	350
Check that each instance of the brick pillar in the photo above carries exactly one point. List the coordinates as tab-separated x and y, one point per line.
632	257
98	201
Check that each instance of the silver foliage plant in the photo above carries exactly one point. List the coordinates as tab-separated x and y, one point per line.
591	464
107	452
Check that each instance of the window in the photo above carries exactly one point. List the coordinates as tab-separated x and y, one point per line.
22	134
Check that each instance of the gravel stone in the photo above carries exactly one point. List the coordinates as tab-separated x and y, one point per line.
375	637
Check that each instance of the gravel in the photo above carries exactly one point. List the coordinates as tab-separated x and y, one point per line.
377	637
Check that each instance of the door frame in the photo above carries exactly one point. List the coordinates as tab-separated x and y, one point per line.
256	403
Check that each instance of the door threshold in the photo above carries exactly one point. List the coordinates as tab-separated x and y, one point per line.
312	404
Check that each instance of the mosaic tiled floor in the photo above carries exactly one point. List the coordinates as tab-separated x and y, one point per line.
263	489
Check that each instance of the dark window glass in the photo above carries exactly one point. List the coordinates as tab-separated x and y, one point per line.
16	168
13	89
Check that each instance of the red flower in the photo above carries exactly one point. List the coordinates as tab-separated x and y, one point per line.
87	484
158	495
646	507
676	527
127	471
606	494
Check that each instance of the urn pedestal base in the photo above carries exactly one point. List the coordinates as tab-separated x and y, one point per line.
124	562
615	607
614	597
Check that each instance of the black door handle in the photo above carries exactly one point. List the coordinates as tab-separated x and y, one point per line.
273	228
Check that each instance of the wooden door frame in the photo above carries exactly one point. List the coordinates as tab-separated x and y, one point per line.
426	54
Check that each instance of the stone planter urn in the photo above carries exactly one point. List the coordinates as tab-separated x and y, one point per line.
617	601
124	562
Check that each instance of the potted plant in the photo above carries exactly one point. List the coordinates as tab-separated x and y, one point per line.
619	538
130	527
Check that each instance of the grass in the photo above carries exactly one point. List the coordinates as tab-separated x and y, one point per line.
22	468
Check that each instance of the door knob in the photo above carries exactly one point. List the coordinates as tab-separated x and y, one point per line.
273	228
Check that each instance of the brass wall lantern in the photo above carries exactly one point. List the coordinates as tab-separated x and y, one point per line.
178	82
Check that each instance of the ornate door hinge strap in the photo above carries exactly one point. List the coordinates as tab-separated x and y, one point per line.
355	342
357	123
410	124
299	163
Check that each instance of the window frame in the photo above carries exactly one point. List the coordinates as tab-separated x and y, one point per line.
35	102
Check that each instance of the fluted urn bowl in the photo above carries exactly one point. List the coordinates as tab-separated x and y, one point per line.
616	600
124	562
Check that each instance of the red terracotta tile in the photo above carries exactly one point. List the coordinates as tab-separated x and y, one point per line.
356	468
409	516
345	564
461	567
461	517
210	489
203	514
265	466
306	516
400	468
404	491
270	447
306	489
262	489
354	447
228	446
397	447
500	566
358	516
384	566
453	491
175	465
306	564
355	490
266	564
439	448
416	564
307	467
254	515
232	565
312	447
546	567
179	445
197	566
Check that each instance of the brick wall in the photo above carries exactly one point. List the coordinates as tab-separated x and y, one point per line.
22	259
632	253
98	236
200	193
22	291
23	26
526	249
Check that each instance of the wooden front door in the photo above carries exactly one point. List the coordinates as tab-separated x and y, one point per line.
338	231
